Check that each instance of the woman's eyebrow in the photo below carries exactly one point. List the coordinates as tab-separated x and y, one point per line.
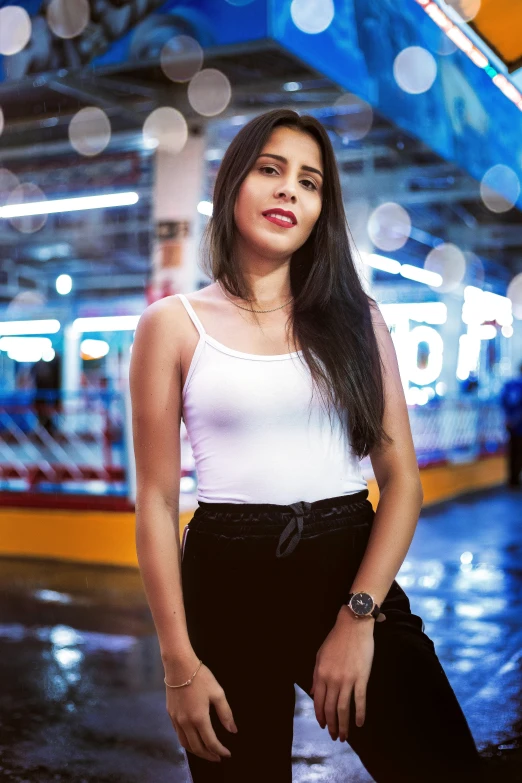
284	160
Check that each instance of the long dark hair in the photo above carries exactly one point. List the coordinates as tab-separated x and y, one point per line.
331	319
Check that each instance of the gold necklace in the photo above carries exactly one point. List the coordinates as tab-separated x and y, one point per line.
248	308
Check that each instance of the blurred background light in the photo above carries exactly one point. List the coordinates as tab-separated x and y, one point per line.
499	188
166	129
389	226
382	262
449	262
415	70
93	349
1	121
181	58
466	9
205	208
312	16
68	18
45	326
421	275
514	293
15	29
354	117
64	284
90	131
209	92
24	208
19	208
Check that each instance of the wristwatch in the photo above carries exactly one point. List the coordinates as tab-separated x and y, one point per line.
363	605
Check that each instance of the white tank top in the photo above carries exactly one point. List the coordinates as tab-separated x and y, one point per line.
257	436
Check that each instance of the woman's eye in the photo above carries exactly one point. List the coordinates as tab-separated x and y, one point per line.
270	168
309	182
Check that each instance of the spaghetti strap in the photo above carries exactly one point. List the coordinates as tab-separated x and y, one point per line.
190	310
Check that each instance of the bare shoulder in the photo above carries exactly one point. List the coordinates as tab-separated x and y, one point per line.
377	317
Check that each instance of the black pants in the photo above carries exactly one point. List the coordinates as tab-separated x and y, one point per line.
262	586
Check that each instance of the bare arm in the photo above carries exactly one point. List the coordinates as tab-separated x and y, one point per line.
155	384
397	473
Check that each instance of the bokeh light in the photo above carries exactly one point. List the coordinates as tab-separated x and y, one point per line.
354	116
181	58
1	121
514	292
389	226
209	92
90	131
26	303
68	18
25	193
445	45
414	70
8	182
166	129
64	284
466	9
15	29
312	16
448	261
499	188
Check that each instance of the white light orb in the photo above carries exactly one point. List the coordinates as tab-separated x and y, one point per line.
68	18
8	182
2	122
389	226
312	16
209	92
354	117
514	292
24	304
449	262
415	70
507	331
48	354
499	188
25	193
90	131
166	129
64	284
15	29
466	9
181	58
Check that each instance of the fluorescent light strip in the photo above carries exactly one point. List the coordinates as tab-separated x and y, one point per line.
460	39
106	323
421	275
69	204
394	267
50	326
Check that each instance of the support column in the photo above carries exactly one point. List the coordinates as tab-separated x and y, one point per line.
177	192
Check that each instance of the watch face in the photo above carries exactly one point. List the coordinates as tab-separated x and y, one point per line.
361	603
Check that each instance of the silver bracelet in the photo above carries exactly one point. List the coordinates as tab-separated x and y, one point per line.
183	683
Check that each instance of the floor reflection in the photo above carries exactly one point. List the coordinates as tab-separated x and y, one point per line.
81	691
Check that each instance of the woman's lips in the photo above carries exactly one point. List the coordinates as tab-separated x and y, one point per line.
279	222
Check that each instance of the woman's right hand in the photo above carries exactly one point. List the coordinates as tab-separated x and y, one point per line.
189	711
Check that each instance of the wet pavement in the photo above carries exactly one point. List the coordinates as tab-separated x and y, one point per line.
81	691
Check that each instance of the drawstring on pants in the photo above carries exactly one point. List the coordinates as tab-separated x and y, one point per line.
300	509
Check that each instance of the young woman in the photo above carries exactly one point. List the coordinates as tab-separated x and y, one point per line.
285	374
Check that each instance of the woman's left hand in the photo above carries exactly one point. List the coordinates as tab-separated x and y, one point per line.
342	666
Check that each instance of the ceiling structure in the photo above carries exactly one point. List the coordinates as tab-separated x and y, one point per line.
107	252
